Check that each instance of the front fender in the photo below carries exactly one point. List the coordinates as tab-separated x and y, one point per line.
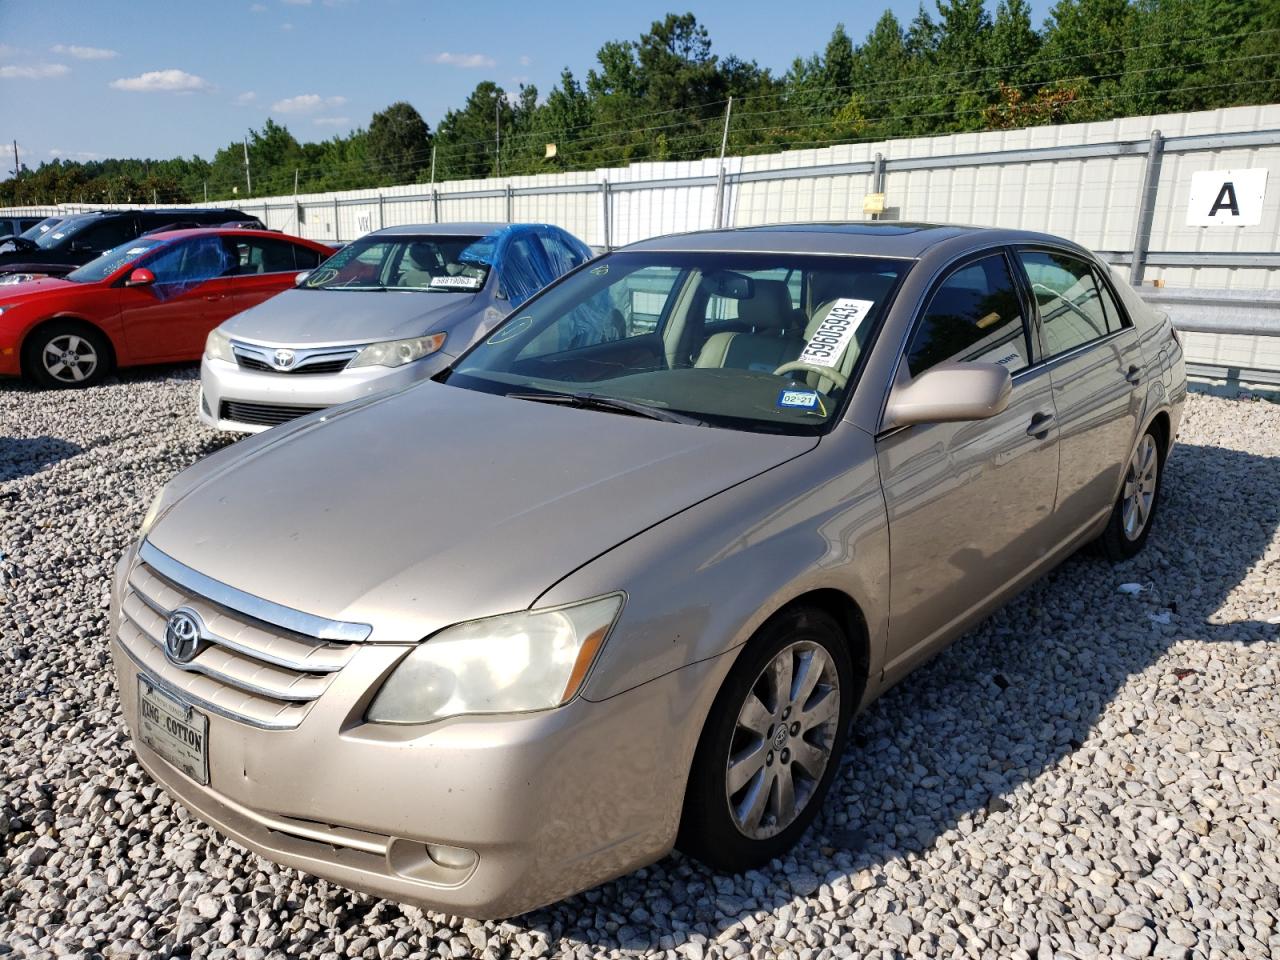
700	583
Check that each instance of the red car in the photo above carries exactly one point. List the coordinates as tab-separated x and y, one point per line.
151	300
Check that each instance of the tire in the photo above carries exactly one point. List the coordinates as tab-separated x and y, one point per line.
48	352
1134	513
720	825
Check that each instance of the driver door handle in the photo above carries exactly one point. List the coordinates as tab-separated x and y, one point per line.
1041	424
1134	375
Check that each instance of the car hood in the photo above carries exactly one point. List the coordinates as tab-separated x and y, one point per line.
11	292
298	317
435	504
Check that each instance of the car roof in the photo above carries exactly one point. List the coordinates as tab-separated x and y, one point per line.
879	238
186	232
474	228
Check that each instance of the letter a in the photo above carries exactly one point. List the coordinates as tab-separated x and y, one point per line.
1226	200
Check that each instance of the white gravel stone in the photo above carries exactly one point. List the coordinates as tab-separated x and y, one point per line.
1074	778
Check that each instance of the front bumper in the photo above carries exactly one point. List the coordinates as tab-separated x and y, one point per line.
550	802
229	383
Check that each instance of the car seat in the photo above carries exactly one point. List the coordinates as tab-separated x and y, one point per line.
768	314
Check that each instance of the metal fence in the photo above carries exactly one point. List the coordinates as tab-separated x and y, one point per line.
1120	187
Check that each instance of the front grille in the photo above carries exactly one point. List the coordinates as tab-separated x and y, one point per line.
318	366
261	414
246	669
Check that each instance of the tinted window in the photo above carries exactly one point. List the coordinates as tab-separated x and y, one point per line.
254	255
1070	301
111	261
185	264
974	316
106	234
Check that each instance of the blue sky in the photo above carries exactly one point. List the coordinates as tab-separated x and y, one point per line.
157	78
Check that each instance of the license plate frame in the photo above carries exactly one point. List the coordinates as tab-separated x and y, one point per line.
175	730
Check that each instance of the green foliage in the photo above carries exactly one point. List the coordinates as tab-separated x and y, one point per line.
663	96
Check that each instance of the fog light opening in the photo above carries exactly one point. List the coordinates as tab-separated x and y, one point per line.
451	858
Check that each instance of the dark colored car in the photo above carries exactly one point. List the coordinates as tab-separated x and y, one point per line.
83	237
149	300
11	227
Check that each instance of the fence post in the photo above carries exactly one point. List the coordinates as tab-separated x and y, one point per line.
382	220
1146	208
337	224
511	204
719	218
877	180
605	206
435	205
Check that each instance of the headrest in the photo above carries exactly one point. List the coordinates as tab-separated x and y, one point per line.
769	308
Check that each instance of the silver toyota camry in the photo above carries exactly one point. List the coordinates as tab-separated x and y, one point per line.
389	309
704	499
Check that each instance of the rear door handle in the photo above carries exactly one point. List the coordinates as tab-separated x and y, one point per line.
1134	375
1041	424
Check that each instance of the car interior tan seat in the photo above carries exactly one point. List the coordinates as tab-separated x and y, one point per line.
770	342
418	266
873	288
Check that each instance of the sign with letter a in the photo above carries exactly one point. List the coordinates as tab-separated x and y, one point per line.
1230	198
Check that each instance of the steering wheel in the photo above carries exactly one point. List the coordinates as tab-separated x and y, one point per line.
830	373
1042	288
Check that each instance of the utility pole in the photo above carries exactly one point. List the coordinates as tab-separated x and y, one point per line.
433	166
724	144
17	167
248	183
497	135
206	191
724	140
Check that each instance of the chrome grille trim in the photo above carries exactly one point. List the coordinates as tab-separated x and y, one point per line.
263	358
295	621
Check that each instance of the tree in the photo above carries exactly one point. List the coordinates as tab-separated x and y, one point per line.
398	144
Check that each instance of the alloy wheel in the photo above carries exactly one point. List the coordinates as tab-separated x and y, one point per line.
1140	487
69	358
782	740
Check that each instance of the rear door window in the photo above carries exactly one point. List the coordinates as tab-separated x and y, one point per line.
1073	304
974	315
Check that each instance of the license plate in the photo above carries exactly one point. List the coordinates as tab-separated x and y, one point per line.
177	732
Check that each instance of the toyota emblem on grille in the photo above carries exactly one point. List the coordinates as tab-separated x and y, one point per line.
283	359
182	636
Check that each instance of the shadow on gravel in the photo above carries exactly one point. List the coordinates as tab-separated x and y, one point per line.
23	456
1004	704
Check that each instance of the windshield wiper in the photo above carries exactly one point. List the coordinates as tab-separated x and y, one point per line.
592	401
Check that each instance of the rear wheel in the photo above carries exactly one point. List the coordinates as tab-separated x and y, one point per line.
67	354
772	744
1135	510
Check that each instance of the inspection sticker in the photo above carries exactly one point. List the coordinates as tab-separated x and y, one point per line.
836	332
456	283
798	399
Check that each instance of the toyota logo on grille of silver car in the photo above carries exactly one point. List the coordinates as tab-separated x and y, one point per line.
182	636
283	359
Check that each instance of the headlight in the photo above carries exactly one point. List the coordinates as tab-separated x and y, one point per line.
396	353
518	662
153	512
218	346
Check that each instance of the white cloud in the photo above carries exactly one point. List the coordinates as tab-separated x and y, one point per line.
526	60
467	61
84	53
162	81
39	71
75	154
306	103
286	27
257	8
246	98
332	121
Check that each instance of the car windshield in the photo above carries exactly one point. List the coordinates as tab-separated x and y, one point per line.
111	261
761	342
41	228
448	264
67	228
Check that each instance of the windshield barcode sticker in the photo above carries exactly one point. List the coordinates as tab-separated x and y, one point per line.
456	283
836	332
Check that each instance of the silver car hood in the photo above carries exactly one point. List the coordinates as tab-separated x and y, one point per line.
436	504
297	317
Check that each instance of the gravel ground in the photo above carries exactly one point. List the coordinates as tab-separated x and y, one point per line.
1092	772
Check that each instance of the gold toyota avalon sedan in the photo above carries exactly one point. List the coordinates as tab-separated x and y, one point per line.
619	578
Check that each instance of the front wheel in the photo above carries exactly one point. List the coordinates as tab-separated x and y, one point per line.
772	744
67	354
1135	511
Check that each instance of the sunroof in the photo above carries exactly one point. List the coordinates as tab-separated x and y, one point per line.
895	229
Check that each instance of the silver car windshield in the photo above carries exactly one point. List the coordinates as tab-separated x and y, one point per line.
763	342
442	264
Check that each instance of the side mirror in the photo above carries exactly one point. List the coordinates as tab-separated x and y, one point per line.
142	277
301	278
950	392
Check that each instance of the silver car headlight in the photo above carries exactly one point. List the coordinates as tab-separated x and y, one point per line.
217	346
396	353
533	660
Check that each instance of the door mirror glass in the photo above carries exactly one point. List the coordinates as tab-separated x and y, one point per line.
142	277
301	278
948	393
